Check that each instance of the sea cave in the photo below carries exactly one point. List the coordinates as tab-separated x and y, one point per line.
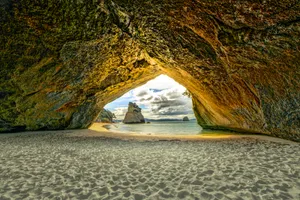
62	61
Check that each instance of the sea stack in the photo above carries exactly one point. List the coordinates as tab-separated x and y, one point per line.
133	115
185	119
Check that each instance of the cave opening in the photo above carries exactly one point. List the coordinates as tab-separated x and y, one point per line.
160	106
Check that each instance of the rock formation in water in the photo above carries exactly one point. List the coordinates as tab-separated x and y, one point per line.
185	119
134	114
62	61
106	116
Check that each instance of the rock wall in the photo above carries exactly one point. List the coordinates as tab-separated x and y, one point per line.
61	62
106	116
134	114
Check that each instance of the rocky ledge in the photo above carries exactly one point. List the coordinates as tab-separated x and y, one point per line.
62	61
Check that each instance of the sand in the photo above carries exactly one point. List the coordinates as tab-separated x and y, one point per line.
87	164
102	130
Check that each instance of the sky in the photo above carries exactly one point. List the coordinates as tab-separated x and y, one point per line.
160	98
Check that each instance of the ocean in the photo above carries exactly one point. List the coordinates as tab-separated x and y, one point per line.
159	127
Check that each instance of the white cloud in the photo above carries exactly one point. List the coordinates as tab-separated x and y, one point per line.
120	111
159	98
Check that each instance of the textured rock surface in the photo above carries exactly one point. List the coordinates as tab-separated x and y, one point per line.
134	114
106	116
61	62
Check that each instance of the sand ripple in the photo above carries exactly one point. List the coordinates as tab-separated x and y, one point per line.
52	166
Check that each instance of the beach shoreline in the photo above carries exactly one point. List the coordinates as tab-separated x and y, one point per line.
102	130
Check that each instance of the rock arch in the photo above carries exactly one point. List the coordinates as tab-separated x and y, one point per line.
63	61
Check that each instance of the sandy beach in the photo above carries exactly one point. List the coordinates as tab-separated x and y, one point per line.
98	164
101	130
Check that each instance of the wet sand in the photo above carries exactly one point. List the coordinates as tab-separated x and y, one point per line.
89	164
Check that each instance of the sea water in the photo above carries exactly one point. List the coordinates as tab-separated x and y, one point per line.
159	127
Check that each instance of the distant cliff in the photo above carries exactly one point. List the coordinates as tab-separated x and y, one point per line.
133	115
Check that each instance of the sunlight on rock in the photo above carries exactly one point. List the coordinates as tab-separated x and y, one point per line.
230	66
